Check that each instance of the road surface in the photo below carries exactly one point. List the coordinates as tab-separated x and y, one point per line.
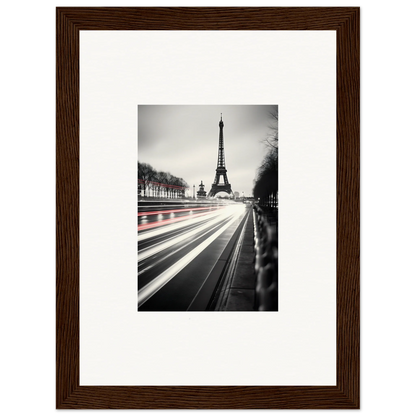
179	246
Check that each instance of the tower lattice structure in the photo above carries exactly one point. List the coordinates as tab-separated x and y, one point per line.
217	185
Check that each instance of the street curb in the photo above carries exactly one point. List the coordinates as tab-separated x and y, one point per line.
223	290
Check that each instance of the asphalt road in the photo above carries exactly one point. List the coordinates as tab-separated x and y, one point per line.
178	247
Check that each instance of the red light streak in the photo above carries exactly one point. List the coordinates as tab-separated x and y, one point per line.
169	221
141	214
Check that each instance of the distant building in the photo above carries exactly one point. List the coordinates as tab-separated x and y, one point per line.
236	195
201	193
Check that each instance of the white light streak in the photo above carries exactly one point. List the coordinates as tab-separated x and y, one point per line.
156	284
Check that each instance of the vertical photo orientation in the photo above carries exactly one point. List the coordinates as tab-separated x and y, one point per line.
208	186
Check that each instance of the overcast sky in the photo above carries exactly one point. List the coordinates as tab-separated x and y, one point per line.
183	140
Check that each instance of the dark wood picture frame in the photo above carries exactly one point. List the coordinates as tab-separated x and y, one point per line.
346	393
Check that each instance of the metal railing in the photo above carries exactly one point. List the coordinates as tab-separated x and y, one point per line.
265	262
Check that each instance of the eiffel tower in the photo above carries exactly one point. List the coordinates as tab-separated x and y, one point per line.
217	186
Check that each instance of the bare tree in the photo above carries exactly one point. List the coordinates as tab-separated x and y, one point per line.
267	182
272	139
160	183
147	174
266	185
160	178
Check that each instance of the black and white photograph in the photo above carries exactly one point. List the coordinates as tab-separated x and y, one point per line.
208	208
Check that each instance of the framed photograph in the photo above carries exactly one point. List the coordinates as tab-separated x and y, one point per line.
235	134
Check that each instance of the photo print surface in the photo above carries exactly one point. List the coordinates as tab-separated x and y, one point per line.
208	208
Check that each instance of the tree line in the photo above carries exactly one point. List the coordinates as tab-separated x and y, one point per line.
266	184
159	184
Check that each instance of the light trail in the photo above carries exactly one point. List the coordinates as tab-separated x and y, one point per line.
140	214
156	284
144	254
171	253
190	219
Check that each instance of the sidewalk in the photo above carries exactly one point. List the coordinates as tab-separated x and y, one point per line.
239	289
